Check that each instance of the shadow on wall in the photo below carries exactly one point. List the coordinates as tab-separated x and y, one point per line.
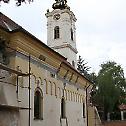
12	117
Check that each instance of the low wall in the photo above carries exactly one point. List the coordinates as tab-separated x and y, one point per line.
115	123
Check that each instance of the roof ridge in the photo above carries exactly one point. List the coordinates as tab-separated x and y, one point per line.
10	24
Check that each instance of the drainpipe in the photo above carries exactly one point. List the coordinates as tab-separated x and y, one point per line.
86	103
29	91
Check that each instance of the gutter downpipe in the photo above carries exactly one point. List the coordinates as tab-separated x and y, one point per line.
86	104
29	121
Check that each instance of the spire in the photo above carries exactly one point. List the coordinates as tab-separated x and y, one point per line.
60	4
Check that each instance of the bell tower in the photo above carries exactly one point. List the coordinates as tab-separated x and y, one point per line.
61	30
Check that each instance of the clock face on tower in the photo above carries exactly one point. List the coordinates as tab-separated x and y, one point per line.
56	16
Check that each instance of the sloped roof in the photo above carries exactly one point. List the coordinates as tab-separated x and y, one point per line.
10	26
7	23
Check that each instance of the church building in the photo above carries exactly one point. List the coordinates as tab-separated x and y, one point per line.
39	83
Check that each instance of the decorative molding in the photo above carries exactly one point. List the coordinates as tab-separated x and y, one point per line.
65	46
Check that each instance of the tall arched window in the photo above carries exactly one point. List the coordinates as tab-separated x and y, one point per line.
83	110
71	34
38	104
56	32
73	63
63	107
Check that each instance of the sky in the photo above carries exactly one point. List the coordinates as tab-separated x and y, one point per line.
101	27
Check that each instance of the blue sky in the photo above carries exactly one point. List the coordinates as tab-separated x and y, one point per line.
101	27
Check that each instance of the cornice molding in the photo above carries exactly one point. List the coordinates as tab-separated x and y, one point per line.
72	16
65	46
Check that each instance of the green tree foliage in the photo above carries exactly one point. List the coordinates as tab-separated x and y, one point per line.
110	86
93	78
83	68
18	2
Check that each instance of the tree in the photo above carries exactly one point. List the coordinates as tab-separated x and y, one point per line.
93	78
18	3
83	68
110	87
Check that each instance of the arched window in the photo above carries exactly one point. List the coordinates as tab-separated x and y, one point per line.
56	32
83	110
38	104
73	63
71	34
63	107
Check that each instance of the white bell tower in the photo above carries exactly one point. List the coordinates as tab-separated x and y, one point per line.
61	31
